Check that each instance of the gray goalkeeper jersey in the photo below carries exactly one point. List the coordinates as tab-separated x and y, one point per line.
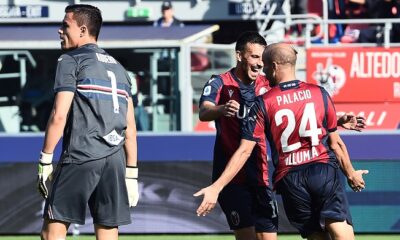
97	119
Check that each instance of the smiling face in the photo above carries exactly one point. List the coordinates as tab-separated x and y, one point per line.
249	62
70	33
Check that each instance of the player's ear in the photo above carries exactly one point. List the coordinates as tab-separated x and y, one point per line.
238	56
274	65
83	29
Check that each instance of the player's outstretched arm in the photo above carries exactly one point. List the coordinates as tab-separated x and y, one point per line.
236	162
354	177
351	122
54	131
209	111
130	147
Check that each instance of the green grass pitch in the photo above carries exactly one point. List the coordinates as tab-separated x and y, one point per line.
195	237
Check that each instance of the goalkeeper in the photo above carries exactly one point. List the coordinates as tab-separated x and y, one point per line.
93	111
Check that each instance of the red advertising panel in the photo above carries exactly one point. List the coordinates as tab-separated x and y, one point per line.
356	74
379	116
205	126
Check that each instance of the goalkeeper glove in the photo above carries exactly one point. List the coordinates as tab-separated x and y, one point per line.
132	185
45	170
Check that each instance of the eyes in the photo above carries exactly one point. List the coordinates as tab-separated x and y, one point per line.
64	25
255	56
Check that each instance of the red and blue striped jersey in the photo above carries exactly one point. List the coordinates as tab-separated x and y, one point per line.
219	90
296	117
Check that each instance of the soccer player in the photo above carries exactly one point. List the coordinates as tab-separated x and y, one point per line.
248	202
300	122
93	111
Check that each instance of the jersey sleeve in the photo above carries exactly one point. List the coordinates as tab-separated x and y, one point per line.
330	112
253	126
132	84
66	74
211	90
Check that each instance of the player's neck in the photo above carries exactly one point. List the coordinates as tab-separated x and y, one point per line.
87	41
242	76
287	79
285	75
168	19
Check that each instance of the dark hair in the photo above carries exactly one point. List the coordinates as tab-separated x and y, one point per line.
88	15
249	37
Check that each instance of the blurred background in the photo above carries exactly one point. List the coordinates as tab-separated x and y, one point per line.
350	47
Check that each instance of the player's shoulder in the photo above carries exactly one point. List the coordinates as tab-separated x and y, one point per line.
66	58
308	84
226	76
262	78
215	80
313	87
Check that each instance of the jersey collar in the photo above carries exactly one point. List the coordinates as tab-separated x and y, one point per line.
289	85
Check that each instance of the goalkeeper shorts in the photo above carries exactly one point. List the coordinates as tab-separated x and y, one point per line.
99	184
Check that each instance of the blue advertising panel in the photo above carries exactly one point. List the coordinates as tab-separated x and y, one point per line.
174	166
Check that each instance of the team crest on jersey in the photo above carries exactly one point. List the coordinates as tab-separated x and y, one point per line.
235	218
207	91
230	92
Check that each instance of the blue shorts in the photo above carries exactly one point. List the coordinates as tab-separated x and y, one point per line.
312	194
246	206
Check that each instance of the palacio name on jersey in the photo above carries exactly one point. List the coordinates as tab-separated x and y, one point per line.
300	157
293	97
105	58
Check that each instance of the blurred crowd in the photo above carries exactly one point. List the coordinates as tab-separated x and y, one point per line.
350	9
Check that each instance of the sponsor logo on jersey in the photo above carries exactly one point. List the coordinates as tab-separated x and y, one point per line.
59	59
253	118
113	138
301	157
244	111
207	91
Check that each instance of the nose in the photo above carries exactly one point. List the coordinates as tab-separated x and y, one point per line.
260	63
60	31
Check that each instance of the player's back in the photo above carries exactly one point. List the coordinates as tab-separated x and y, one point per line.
97	118
300	115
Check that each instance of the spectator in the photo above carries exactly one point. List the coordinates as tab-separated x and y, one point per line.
373	9
298	7
168	19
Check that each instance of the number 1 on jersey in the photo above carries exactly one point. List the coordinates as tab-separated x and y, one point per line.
114	92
